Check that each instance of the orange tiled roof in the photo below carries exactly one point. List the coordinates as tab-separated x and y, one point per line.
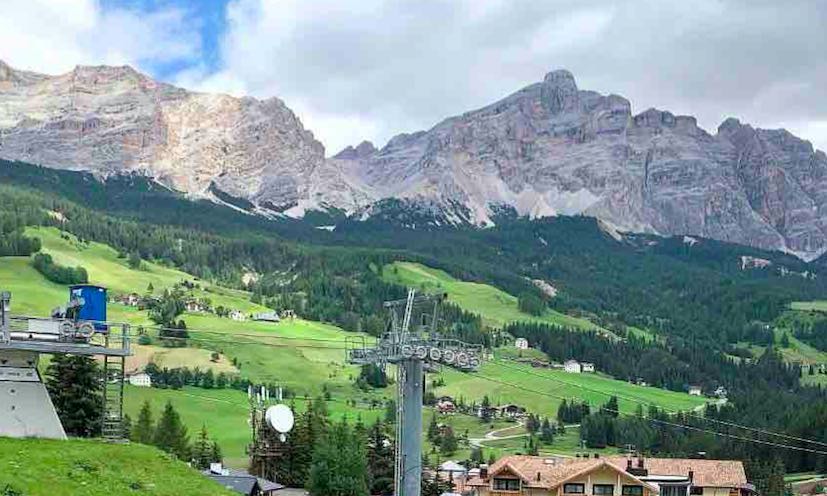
711	473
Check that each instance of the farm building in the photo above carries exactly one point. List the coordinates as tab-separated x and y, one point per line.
267	317
572	367
521	343
695	390
511	411
445	405
141	380
587	367
238	316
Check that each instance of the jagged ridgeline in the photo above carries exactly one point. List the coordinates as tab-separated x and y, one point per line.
685	288
696	299
550	148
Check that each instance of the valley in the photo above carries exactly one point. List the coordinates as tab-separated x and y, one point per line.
307	357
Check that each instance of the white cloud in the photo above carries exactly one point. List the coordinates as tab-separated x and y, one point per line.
371	68
53	36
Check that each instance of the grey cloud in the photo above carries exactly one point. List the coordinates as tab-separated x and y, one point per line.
406	65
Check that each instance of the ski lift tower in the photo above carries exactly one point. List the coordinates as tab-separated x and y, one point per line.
413	344
27	410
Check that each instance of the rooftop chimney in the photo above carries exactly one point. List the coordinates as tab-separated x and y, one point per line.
483	471
639	470
538	476
691	475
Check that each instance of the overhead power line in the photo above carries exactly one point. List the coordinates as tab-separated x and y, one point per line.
664	422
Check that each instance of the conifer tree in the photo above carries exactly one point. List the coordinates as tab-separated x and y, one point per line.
74	385
202	449
144	430
339	465
171	433
380	458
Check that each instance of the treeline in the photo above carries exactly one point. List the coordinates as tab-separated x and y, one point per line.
12	241
59	274
658	433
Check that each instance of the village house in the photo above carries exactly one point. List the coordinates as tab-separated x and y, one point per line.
237	315
521	343
695	391
611	476
242	482
572	367
587	367
193	306
288	314
451	471
130	300
511	411
445	405
141	379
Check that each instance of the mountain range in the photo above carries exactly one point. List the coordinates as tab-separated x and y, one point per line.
548	149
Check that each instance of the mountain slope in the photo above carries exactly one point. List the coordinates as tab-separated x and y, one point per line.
548	149
111	120
553	149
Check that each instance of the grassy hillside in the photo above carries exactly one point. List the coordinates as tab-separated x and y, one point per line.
39	467
105	268
306	357
594	388
496	307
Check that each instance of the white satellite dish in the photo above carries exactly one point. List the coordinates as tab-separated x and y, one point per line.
280	418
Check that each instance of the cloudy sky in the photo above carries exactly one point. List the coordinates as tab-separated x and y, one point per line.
369	69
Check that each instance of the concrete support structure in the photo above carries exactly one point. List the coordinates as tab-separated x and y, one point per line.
411	446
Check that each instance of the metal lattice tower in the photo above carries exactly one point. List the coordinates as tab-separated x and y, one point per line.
414	345
23	339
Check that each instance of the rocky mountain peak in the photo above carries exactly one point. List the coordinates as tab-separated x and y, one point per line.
561	78
547	149
362	150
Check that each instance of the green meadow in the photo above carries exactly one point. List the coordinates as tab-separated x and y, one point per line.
496	307
96	468
308	358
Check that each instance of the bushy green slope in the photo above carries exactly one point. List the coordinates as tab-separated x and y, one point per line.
39	467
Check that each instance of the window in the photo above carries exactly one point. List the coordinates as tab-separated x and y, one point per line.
506	484
574	488
603	489
632	490
696	490
678	490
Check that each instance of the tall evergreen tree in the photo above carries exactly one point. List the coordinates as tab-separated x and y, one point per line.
171	433
380	457
74	385
144	430
339	464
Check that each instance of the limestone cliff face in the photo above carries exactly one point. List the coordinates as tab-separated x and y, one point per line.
548	149
551	149
115	120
